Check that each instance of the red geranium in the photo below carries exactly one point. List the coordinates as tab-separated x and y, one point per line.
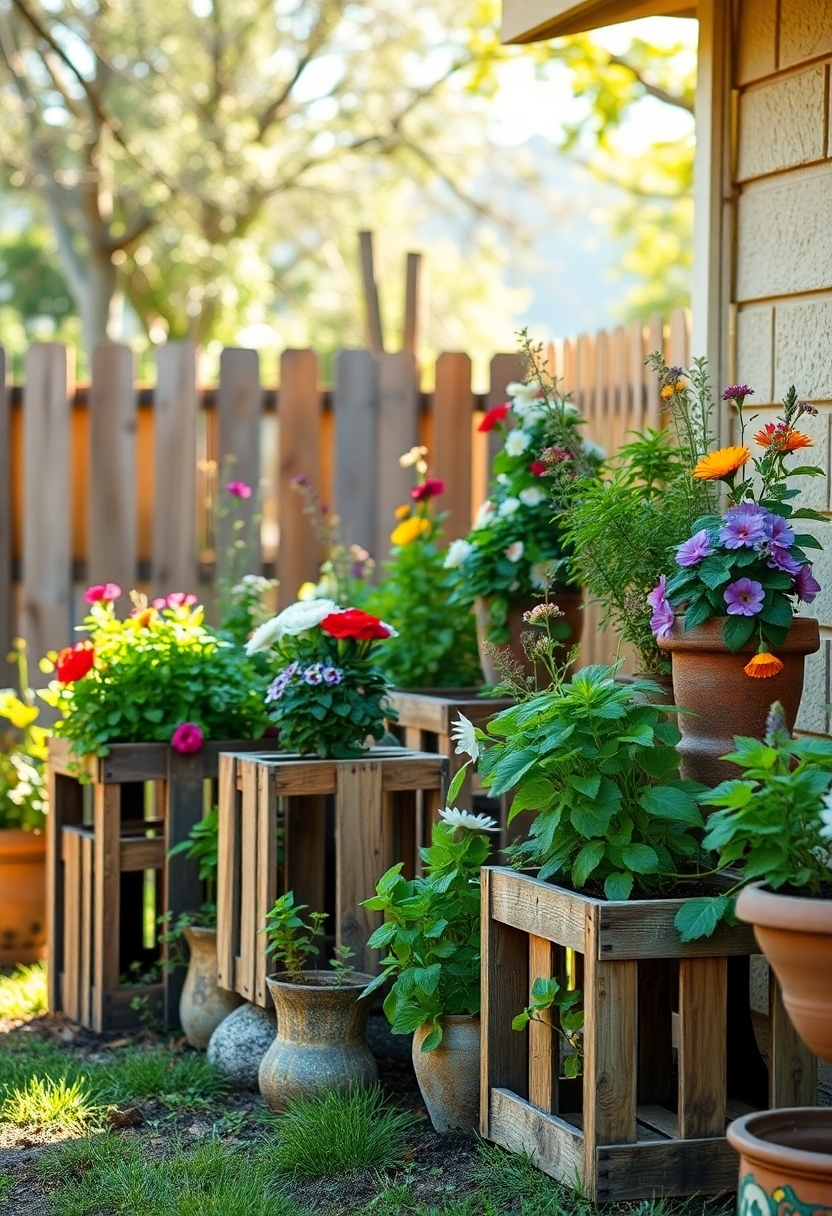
495	415
431	488
353	623
73	662
537	467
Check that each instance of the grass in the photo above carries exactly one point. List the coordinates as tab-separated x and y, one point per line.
57	1105
23	993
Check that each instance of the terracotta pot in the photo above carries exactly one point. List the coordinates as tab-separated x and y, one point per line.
320	1041
709	680
795	935
449	1077
569	604
785	1161
203	1004
22	896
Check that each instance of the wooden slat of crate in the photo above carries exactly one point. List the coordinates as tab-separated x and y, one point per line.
526	906
128	762
793	1070
554	1145
228	847
71	852
644	928
703	1029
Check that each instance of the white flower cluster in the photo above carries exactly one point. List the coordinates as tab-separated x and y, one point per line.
295	619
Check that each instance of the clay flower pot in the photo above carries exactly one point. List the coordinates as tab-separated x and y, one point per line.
795	935
203	1004
709	680
449	1076
785	1161
22	896
320	1041
569	604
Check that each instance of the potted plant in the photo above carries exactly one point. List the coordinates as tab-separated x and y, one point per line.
740	578
513	550
321	1022
431	931
22	806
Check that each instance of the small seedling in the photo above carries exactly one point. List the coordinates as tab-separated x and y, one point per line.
292	940
550	994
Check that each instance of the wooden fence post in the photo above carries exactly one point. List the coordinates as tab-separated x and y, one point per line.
299	455
113	540
355	404
6	627
398	432
239	408
47	555
453	425
174	496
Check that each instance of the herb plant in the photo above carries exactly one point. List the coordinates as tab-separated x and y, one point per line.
431	929
568	1023
23	753
292	940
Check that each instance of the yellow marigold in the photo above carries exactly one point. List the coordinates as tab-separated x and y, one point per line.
670	389
408	530
402	512
762	665
718	465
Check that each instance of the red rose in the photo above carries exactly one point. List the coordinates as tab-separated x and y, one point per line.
494	416
353	623
537	467
431	488
73	662
187	738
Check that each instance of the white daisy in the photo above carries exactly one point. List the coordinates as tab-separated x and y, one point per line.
458	551
515	551
464	819
517	442
532	496
464	734
508	506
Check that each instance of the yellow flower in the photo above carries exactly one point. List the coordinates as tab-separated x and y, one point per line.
717	466
402	512
308	591
762	665
670	389
409	529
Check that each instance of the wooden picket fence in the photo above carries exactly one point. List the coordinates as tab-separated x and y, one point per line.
108	482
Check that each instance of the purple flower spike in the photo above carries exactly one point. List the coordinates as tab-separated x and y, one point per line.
744	597
737	392
742	529
692	551
661	622
779	532
805	584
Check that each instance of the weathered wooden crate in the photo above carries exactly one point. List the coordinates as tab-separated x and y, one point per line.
105	838
273	838
648	1116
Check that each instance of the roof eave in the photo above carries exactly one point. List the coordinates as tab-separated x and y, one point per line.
536	20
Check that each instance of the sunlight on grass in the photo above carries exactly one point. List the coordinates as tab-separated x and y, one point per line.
23	994
56	1105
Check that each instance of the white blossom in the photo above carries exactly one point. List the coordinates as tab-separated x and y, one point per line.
414	456
517	442
508	506
540	575
464	734
522	393
484	514
532	496
458	551
464	819
503	479
295	619
515	551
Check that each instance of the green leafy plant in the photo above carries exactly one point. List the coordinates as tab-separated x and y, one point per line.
23	752
548	994
202	845
431	929
774	823
292	940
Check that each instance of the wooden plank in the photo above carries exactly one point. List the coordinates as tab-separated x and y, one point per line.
85	981
265	876
299	455
66	808
229	874
610	1040
304	849
46	495
359	857
355	404
174	495
6	590
144	853
644	928
450	459
412	303
636	374
536	907
678	354
106	902
248	867
504	972
658	985
793	1070
183	889
703	997
372	309
398	432
239	401
504	369
655	342
544	1045
664	1167
554	1145
113	536
71	850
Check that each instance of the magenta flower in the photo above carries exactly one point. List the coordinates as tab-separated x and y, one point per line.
692	551
187	738
779	532
737	392
102	593
239	489
744	597
661	622
742	529
805	584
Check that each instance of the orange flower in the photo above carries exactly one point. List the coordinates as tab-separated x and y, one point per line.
717	466
402	512
409	530
670	389
762	665
782	438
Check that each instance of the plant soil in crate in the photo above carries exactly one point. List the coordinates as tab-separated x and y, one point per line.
105	836
648	1116
273	839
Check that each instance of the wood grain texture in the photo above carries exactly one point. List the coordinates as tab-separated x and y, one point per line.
106	902
299	455
398	432
610	1037
669	1167
544	1044
85	977
644	928
453	421
113	536
229	874
504	984
71	851
265	876
555	1147
183	888
537	907
239	406
355	402
793	1070
247	968
703	996
174	497
359	857
6	601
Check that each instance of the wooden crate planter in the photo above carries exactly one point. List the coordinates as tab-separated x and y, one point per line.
377	823
639	1123
100	845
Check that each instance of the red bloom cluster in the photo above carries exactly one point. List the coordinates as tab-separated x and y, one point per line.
430	488
73	662
495	415
106	592
537	467
355	624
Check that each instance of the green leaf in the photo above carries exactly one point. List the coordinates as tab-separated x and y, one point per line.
808	513
640	858
510	769
779	612
668	802
618	886
535	794
699	917
697	611
807	541
588	786
457	784
737	630
572	1066
434	1037
587	860
714	571
590	820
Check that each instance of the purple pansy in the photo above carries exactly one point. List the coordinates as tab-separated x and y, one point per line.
742	529
661	622
692	551
779	532
332	675
805	584
744	597
314	675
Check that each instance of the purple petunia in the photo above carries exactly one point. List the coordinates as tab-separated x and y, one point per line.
692	551
780	559
805	584
661	622
742	529
779	532
744	597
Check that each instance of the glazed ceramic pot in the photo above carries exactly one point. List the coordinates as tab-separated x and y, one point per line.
569	604
449	1076
795	935
320	1042
22	896
203	1004
708	680
785	1162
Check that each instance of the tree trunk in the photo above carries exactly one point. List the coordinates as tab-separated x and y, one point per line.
96	298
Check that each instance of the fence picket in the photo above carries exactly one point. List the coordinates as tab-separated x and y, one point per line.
239	407
174	494
299	455
655	342
398	432
453	425
6	607
112	477
355	402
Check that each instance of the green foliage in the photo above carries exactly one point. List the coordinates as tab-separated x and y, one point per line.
23	752
549	993
292	940
57	1105
431	931
202	845
598	765
772	823
23	993
153	671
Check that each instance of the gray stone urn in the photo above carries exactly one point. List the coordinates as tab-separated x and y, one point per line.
449	1076
203	1004
320	1042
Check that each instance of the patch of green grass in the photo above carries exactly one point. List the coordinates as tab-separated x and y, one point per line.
334	1133
515	1184
57	1105
178	1080
6	1184
23	993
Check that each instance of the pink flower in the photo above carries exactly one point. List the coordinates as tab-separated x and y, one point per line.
187	738
102	593
239	489
177	599
805	584
661	622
